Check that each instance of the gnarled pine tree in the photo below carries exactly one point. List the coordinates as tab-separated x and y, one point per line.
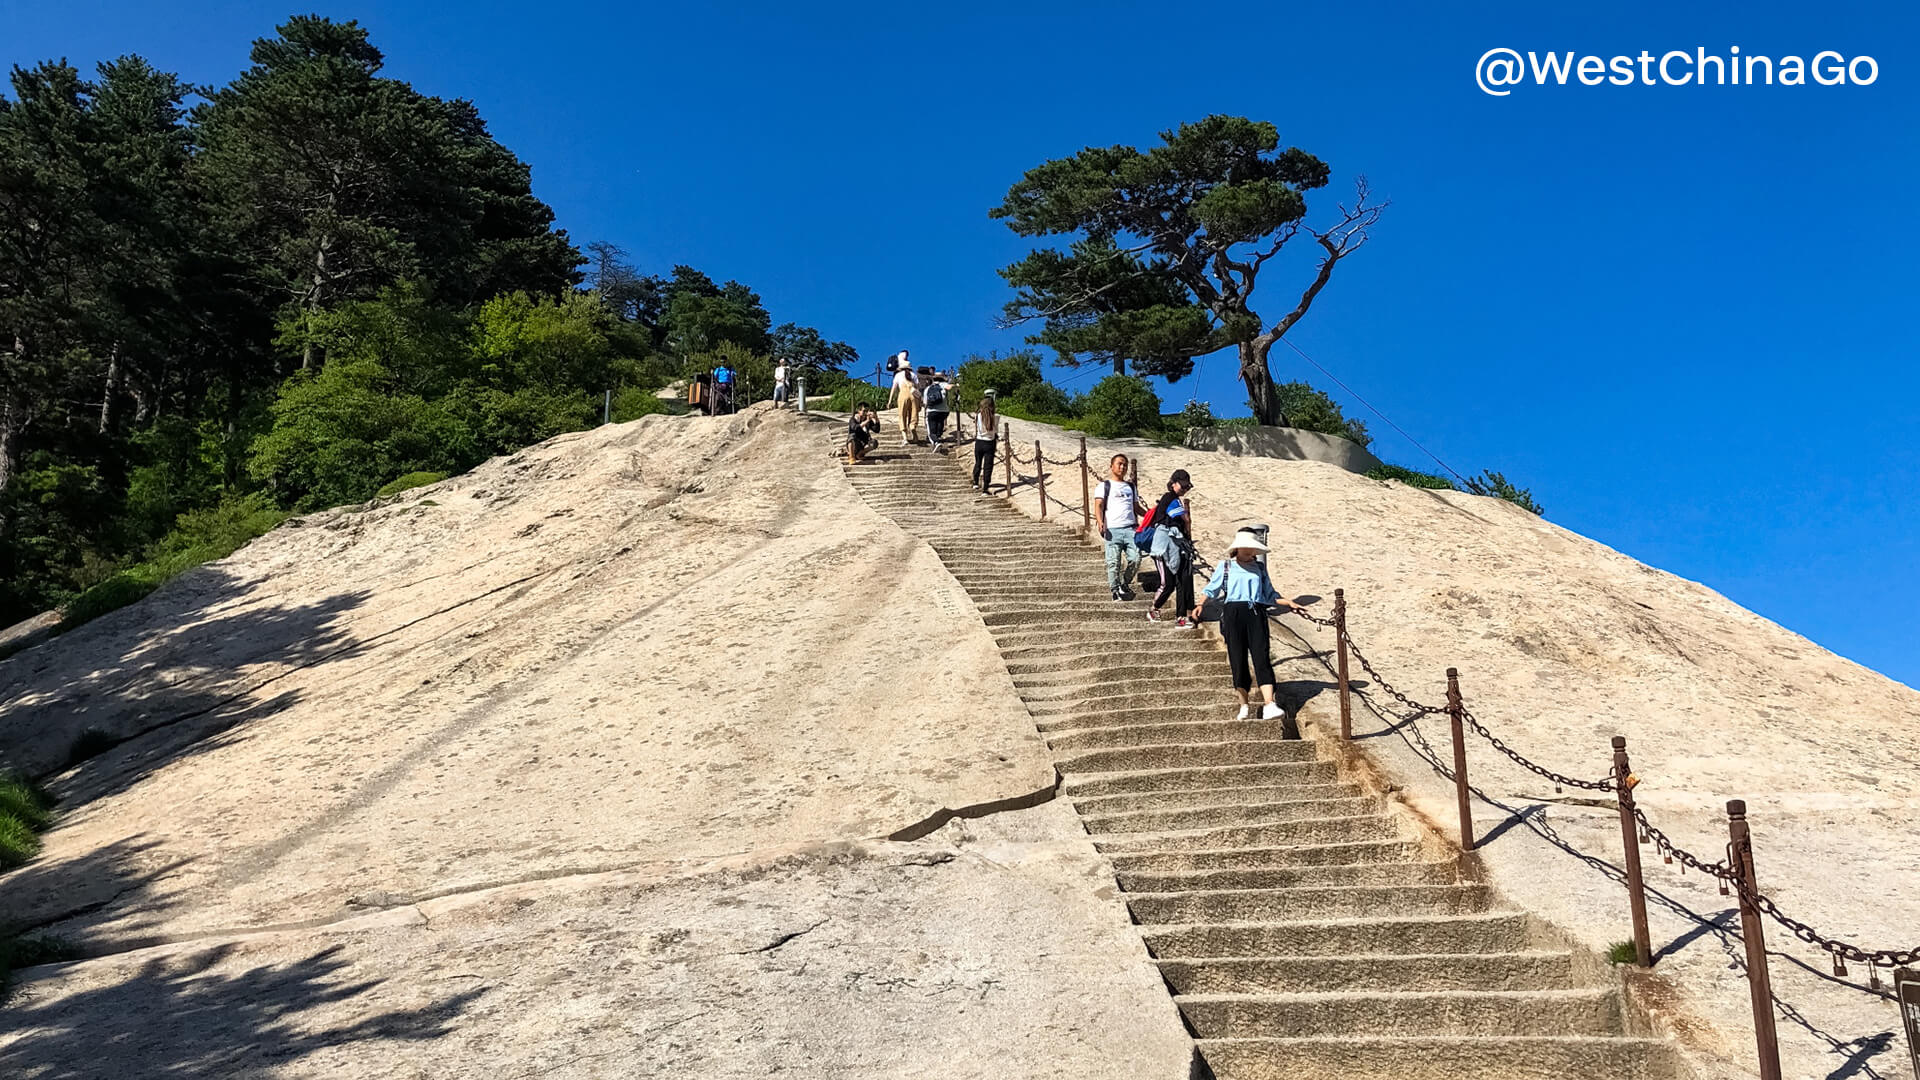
1171	243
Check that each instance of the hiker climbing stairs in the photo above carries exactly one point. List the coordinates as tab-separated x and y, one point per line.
1303	929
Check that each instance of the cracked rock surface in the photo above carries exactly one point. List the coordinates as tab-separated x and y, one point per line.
575	765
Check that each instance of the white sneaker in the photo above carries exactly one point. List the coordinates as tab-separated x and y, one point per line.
1270	712
1245	711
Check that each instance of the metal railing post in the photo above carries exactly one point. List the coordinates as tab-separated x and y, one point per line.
1340	637
1086	492
1623	782
800	394
1759	986
1040	472
1454	716
1006	440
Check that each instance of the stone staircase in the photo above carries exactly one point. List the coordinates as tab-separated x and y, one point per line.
1303	928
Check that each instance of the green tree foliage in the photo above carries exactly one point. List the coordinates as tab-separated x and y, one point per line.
338	182
316	282
821	362
1005	375
701	316
1310	409
1170	243
1497	485
1121	405
1410	477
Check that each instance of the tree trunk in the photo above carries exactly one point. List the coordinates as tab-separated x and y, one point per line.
309	353
1262	394
12	421
112	388
1119	365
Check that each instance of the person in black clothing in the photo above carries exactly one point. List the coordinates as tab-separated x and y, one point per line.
1172	549
863	432
985	439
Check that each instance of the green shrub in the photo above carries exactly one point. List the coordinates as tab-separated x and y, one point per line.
89	744
1040	399
1410	477
1006	375
1308	409
1496	485
850	394
1197	414
633	402
408	483
1622	952
198	536
1121	405
126	587
25	809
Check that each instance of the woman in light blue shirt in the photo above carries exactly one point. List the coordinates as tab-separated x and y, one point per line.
1240	583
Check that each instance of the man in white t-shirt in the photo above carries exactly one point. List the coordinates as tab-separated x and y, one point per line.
780	385
1118	509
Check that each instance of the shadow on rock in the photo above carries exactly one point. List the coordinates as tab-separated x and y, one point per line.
141	686
181	1016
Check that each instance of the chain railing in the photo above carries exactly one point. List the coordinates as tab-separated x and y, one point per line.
1735	873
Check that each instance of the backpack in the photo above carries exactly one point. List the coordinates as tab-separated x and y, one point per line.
1143	535
936	398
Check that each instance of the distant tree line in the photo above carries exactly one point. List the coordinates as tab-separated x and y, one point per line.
221	305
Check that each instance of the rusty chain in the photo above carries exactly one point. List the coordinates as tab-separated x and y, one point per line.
1724	871
1558	779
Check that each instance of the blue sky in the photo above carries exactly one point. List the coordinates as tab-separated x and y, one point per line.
1674	312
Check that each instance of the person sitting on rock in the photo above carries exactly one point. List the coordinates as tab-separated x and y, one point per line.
1240	583
863	433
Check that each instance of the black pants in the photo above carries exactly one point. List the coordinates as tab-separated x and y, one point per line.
983	462
1179	583
936	426
1245	628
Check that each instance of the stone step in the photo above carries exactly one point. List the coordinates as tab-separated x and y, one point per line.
1172	689
1283	834
1429	1012
1095	805
1066	708
1103	667
1203	729
1317	771
1371	973
1184	755
1209	817
1399	849
1050	672
1090	719
1289	877
1442	1057
1308	903
1502	932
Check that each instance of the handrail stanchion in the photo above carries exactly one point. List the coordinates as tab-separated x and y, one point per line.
1454	714
1623	782
1086	493
1040	471
1006	440
1340	636
1753	931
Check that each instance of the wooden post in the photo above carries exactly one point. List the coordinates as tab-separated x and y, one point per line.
1759	986
1006	440
1086	493
1454	715
1040	471
1623	781
1340	637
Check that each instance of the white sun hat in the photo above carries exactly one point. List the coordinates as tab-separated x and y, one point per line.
1245	539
